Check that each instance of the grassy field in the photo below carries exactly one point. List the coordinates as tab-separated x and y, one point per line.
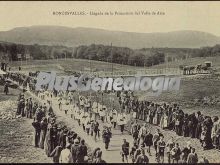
192	87
69	65
191	61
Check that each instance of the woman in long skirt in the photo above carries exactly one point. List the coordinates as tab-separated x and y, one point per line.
43	132
47	144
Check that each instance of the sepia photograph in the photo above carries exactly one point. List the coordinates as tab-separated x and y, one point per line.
110	82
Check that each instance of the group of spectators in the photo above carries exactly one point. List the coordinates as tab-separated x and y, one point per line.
143	138
170	117
62	144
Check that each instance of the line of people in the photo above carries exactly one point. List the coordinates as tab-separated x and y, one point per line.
59	142
143	138
171	117
165	116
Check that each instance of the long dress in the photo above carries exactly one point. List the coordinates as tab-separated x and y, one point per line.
43	134
114	116
165	125
155	119
47	144
185	128
164	121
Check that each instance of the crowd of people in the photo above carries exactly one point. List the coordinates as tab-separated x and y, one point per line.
62	144
171	117
87	113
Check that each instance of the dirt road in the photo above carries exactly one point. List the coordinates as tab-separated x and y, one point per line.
16	139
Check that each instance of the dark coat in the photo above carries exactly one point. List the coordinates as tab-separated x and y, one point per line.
83	152
148	139
74	153
106	136
43	126
56	154
47	144
192	158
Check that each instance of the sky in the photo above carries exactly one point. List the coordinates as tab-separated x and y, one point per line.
200	16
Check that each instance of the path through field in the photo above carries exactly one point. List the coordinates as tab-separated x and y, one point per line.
113	154
17	134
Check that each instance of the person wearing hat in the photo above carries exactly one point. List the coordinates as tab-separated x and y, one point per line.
30	106
156	138
161	149
192	157
65	154
37	128
137	153
106	135
152	112
125	150
48	142
6	88
83	151
185	152
19	106
43	126
169	146
70	137
77	115
120	122
22	106
56	154
142	158
203	160
214	134
99	157
96	130
39	114
50	109
148	141
26	108
59	133
102	113
93	155
44	109
62	138
114	117
92	127
87	125
54	140
142	133
34	109
176	154
133	150
75	151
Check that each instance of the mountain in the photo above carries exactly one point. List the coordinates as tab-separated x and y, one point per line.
60	35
